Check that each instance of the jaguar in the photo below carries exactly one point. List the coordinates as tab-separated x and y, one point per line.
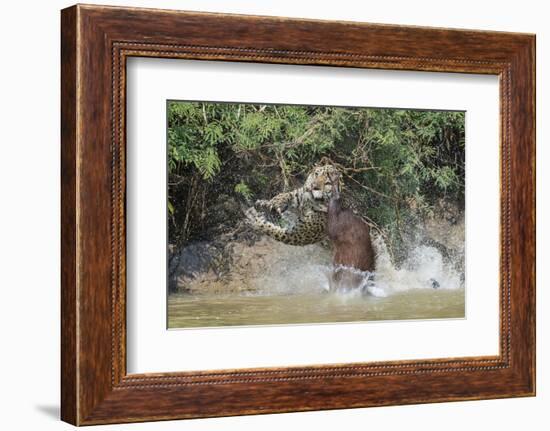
300	215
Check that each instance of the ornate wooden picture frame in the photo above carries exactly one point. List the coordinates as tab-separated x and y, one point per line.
96	42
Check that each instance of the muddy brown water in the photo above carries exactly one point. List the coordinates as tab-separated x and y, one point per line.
193	311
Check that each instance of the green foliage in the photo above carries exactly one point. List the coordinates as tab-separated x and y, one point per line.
243	190
171	208
397	162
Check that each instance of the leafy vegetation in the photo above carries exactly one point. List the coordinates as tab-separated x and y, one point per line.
398	163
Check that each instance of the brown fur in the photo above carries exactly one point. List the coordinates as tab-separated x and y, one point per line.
350	236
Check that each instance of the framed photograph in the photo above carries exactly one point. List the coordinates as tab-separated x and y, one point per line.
265	214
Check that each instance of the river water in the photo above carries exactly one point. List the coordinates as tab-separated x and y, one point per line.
187	311
424	287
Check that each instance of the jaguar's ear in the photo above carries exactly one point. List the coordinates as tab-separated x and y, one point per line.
324	161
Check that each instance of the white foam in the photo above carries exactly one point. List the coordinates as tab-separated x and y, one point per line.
421	268
424	268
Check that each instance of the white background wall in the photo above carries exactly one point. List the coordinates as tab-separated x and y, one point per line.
29	216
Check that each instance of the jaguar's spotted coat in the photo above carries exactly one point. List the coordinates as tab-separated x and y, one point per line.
301	214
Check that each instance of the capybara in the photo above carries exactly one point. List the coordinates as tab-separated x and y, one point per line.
354	258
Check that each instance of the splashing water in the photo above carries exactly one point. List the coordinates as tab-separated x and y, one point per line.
424	268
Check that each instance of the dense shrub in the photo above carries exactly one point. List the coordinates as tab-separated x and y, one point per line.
398	163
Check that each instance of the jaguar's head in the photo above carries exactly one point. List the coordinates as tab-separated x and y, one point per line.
321	180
